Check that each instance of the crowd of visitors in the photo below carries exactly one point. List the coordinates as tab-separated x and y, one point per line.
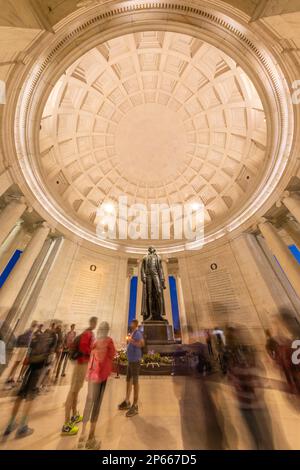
43	355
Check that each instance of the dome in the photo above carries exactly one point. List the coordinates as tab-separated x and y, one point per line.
158	117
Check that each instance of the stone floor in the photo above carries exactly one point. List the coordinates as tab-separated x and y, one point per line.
175	413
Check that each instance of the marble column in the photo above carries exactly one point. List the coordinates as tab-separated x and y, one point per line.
292	228
279	249
182	312
9	217
292	203
10	239
14	283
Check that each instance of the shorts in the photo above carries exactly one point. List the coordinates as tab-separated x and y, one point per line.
133	372
29	387
78	377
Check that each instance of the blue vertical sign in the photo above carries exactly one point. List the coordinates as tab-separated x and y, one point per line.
10	266
132	299
174	303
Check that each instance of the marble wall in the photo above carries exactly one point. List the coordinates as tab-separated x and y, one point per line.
73	292
243	290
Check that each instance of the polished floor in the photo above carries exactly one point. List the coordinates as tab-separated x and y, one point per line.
175	413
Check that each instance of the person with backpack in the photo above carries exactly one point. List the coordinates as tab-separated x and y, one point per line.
45	379
99	369
42	347
245	372
22	345
37	332
80	353
135	345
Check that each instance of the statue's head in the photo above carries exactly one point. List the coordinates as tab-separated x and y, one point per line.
151	250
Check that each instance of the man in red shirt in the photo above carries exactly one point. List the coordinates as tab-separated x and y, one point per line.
86	342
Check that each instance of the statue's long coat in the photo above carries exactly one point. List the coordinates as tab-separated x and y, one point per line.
145	307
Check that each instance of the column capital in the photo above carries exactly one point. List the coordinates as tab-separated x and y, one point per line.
12	198
10	214
292	203
283	196
15	199
291	218
261	221
46	225
19	222
22	200
41	224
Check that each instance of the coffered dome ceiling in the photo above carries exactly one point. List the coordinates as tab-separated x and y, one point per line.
159	117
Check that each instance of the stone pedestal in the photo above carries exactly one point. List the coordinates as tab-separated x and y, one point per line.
158	332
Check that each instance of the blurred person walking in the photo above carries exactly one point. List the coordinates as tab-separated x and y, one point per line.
42	347
99	369
244	371
81	351
22	345
25	364
66	348
219	348
279	348
39	330
44	381
208	341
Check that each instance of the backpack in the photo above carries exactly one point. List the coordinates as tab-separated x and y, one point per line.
23	340
41	347
75	352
